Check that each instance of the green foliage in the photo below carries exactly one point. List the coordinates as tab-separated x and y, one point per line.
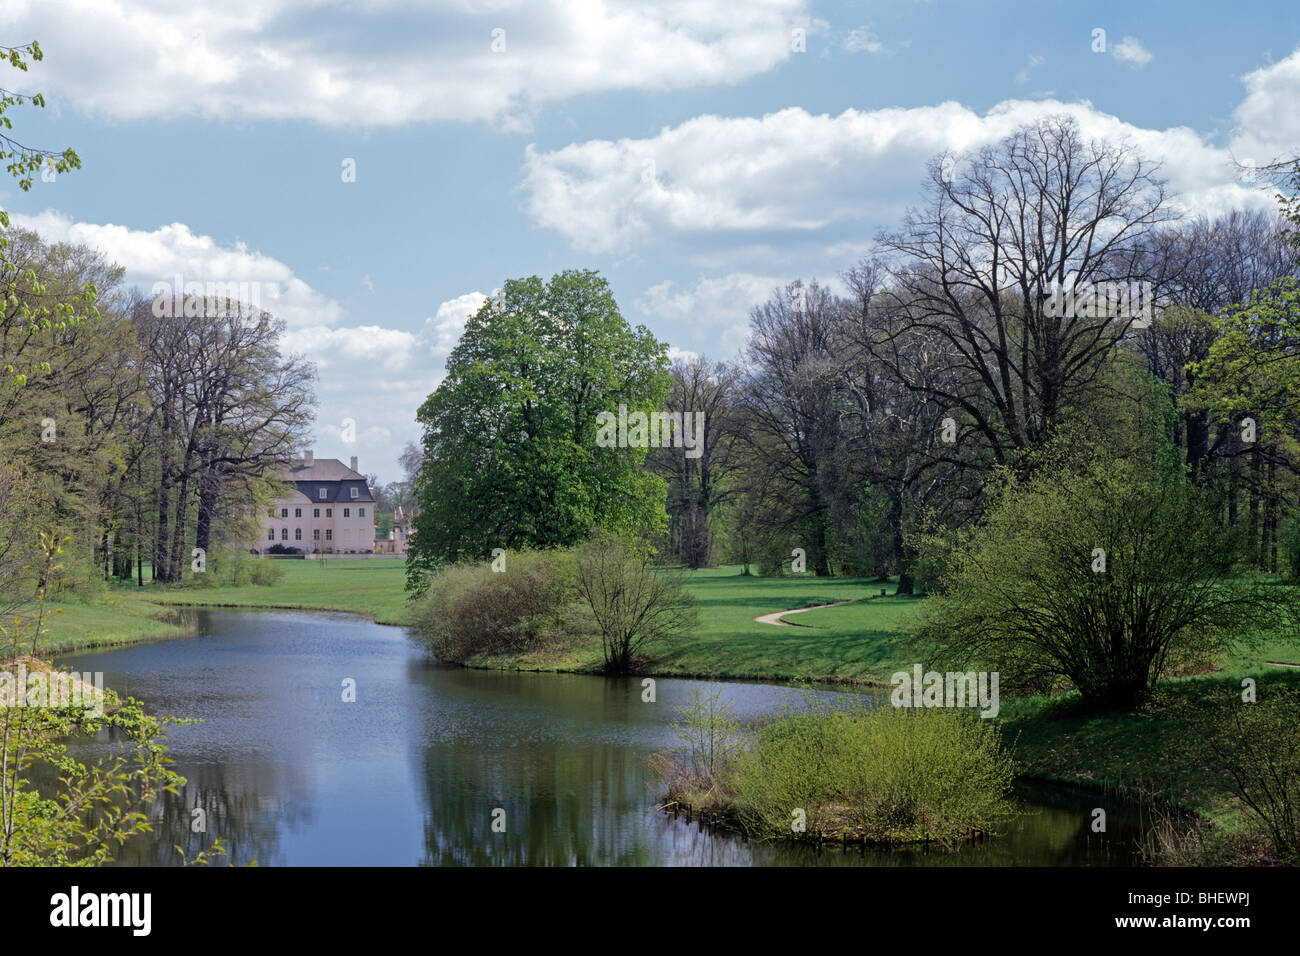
510	458
238	568
1289	539
892	776
84	812
471	610
710	733
1257	745
635	606
1099	572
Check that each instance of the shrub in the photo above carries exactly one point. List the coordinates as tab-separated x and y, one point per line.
634	605
1258	746
711	736
468	609
1103	573
890	775
235	569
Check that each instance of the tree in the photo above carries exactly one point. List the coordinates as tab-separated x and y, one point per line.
634	604
699	480
510	453
977	272
1101	572
791	416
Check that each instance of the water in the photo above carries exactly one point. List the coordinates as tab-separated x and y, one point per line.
417	768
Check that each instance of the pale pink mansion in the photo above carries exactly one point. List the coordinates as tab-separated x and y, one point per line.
329	511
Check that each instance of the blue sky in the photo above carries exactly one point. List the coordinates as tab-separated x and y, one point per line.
688	150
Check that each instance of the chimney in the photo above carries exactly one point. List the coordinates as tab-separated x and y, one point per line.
354	463
307	455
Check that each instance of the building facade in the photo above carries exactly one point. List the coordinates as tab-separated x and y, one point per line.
329	511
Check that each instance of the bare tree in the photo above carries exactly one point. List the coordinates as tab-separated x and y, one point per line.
700	480
979	267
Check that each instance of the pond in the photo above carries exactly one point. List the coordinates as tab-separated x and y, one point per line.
418	768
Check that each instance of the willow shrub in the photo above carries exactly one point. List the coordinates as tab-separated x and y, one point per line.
470	610
891	776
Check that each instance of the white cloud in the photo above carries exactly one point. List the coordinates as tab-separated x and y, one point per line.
712	315
374	375
796	172
1129	50
316	59
863	40
442	329
1268	123
1031	64
163	254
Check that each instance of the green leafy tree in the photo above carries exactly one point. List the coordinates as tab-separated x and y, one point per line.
1099	572
510	457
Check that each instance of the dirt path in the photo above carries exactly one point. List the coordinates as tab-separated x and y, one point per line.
775	616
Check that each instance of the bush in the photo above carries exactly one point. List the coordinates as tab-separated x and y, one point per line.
1102	573
236	569
282	549
1258	746
889	775
468	609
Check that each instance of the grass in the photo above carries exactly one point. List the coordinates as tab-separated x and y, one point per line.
1141	752
373	587
860	642
119	618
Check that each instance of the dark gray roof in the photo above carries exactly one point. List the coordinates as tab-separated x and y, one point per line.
336	478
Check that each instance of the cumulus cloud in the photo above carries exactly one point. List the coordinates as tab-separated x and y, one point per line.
863	40
797	173
317	59
712	314
373	375
1130	50
174	254
1268	123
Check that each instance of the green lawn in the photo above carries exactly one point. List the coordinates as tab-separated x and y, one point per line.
119	618
373	587
1134	752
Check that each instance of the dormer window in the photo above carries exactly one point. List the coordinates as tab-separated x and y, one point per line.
322	493
354	492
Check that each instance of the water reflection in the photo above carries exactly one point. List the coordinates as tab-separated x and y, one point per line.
412	772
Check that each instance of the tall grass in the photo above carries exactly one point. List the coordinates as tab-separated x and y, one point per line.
886	775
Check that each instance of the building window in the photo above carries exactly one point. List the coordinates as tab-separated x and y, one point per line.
321	494
297	534
329	512
329	534
284	512
284	534
354	492
270	534
315	534
361	512
315	512
297	512
347	512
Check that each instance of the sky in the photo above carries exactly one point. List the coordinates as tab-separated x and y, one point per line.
379	168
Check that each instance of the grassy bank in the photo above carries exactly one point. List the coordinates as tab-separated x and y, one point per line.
860	642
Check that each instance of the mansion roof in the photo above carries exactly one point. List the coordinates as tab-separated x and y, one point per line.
309	476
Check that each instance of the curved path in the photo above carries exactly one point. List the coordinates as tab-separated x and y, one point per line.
775	616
